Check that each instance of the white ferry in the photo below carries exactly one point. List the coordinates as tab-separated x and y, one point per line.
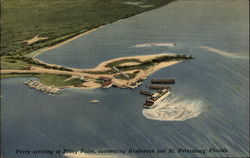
156	98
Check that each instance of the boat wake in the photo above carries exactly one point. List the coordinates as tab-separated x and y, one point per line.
225	53
175	110
155	45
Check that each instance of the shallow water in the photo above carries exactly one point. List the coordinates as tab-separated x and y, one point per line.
208	107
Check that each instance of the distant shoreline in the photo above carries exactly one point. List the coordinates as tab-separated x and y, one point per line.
69	30
38	52
35	53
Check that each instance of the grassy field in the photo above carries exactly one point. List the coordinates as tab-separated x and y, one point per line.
149	63
58	80
59	19
141	65
49	79
15	75
119	62
18	62
8	63
130	75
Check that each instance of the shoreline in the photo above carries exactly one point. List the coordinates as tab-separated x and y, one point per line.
35	53
42	50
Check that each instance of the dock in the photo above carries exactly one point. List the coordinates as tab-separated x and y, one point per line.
50	90
158	87
146	93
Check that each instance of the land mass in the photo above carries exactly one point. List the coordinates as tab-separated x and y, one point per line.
124	72
24	36
30	25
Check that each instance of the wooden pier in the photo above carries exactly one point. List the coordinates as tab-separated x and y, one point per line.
51	90
158	87
146	93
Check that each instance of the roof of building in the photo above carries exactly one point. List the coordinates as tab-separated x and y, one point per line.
106	83
104	78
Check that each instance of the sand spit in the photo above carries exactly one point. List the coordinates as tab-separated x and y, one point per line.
155	45
102	66
225	53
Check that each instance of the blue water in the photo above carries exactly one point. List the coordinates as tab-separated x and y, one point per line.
219	83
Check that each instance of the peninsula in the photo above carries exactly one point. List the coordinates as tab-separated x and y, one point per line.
123	72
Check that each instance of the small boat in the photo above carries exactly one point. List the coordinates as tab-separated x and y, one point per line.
94	101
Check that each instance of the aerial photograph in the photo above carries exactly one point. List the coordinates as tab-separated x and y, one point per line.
124	78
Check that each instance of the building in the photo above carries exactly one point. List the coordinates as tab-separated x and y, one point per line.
29	68
105	79
107	84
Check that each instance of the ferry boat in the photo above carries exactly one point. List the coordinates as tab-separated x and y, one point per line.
156	98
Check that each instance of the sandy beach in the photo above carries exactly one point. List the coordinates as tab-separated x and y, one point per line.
142	58
226	53
155	45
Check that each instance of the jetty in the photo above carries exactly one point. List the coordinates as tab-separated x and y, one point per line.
50	90
158	87
146	93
